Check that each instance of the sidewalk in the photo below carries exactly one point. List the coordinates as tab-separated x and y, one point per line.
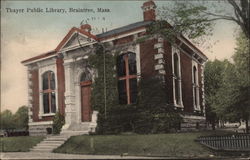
42	155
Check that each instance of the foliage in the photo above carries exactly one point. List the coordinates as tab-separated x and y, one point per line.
213	82
19	120
239	90
7	120
196	19
228	85
18	144
58	122
145	116
104	93
154	113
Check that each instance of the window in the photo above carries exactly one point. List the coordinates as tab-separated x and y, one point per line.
177	94
48	92
195	88
86	76
127	78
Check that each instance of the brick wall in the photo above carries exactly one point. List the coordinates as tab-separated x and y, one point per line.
147	53
61	85
168	69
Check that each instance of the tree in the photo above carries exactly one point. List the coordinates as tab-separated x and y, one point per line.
213	82
21	118
232	98
6	119
242	86
195	19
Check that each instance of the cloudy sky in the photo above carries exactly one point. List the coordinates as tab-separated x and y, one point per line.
26	34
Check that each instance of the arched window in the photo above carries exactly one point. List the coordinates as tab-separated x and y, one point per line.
177	80
86	76
195	88
127	78
48	91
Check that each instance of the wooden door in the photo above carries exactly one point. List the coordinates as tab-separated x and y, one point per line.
86	110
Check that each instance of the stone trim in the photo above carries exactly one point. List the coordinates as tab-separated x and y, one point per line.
203	89
160	65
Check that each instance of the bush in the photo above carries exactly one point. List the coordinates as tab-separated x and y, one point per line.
151	114
120	118
154	113
58	122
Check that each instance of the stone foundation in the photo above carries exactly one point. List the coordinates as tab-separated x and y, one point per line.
39	129
193	123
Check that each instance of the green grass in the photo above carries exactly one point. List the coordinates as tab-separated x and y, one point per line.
18	144
179	144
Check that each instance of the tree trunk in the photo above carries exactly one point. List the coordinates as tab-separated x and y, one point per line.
213	125
247	127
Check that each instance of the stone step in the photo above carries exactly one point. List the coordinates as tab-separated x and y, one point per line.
45	147
41	150
51	142
55	139
73	133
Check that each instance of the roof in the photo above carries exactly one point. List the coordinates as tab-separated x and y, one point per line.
101	36
61	44
40	56
124	29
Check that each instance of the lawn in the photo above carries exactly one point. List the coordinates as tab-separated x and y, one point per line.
18	144
174	144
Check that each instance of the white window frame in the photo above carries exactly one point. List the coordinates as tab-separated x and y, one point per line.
177	52
44	67
195	87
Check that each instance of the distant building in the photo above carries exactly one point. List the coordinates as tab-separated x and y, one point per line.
59	81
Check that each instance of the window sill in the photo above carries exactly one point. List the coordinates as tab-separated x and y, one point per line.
179	106
47	114
197	110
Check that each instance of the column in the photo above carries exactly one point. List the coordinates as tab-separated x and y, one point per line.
30	92
70	111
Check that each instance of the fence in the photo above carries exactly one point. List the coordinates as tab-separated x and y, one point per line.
239	142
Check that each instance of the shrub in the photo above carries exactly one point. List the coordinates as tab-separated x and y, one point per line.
58	122
154	113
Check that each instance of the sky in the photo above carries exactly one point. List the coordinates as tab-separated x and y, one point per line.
27	34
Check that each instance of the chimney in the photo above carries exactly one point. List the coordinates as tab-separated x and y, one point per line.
86	28
149	10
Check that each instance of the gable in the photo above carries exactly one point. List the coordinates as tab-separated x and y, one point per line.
77	39
74	36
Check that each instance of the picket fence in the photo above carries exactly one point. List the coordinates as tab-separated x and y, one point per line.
238	142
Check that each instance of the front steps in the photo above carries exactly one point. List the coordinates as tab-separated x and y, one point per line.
50	143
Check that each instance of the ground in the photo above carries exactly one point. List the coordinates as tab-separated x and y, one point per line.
127	146
18	144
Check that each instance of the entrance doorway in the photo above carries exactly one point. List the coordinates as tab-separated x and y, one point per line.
86	110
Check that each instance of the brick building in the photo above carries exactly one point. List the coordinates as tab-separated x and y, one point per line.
60	80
